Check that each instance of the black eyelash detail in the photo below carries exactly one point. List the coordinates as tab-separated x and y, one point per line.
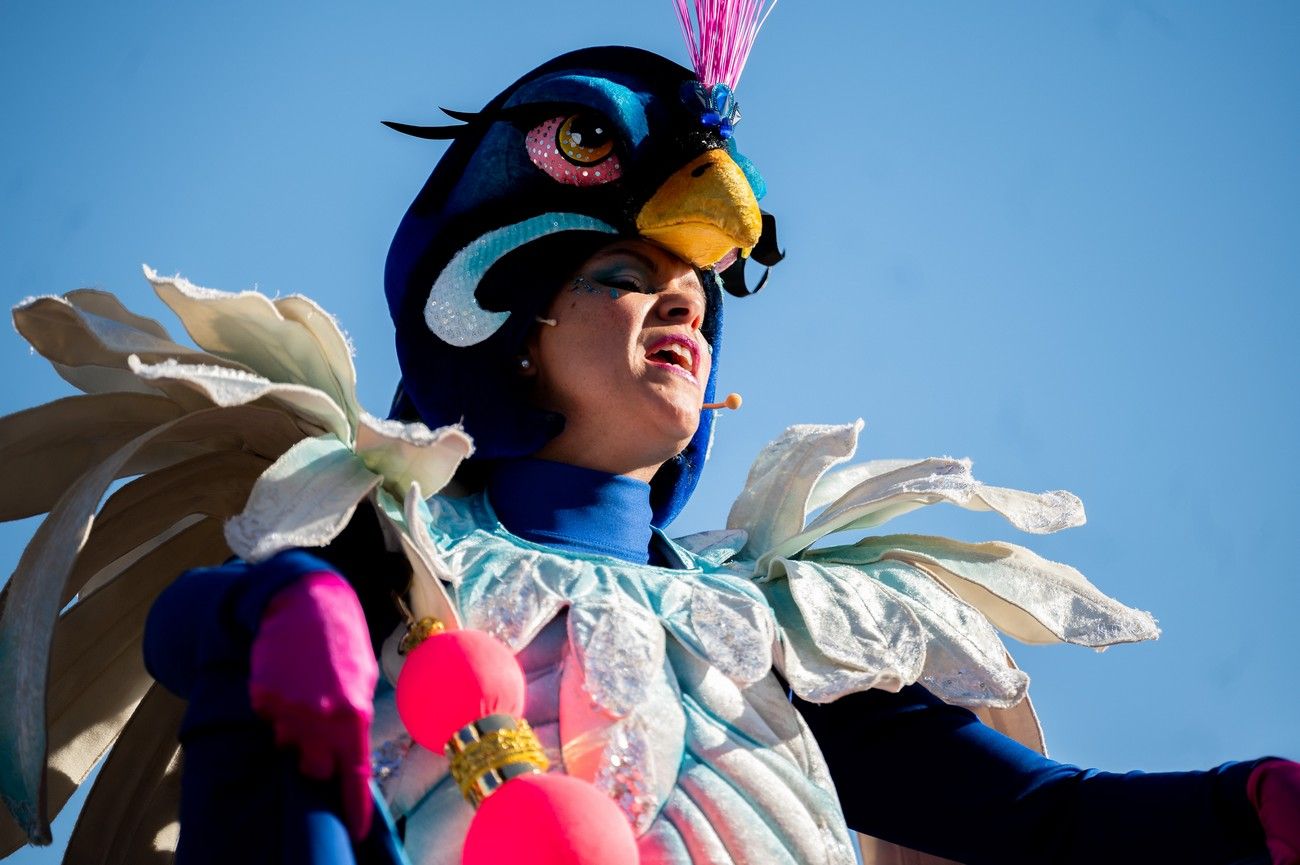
629	286
431	133
581	283
462	116
523	116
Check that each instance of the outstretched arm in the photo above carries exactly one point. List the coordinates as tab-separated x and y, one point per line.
916	771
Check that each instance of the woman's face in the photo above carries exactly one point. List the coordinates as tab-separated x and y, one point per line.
625	362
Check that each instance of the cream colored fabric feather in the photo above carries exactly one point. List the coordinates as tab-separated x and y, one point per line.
97	673
143	512
45	449
134	800
204	428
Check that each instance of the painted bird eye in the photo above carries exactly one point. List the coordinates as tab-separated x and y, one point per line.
584	140
575	149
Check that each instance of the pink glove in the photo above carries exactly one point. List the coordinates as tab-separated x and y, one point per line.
313	678
1274	790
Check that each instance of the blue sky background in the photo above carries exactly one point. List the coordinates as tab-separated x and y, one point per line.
1060	238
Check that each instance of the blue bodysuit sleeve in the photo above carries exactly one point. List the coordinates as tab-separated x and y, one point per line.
242	797
916	771
199	630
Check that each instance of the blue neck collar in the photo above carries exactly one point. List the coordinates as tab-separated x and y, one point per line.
573	508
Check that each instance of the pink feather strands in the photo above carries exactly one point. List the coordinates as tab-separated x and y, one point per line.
720	35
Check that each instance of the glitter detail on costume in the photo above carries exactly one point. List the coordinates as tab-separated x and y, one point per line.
452	312
557	148
741	648
622	779
386	760
621	650
836	850
513	607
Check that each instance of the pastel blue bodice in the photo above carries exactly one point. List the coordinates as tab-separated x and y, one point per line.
653	683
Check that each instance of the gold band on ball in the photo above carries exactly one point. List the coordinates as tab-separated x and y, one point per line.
489	752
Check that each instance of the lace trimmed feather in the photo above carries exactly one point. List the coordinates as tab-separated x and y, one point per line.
897	609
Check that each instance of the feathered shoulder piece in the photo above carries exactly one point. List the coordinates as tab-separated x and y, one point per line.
250	442
895	609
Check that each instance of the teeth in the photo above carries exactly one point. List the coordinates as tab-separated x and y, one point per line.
680	354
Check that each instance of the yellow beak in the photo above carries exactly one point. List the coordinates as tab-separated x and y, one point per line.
703	211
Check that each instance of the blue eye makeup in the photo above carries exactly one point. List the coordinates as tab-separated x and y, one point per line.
611	284
623	283
623	272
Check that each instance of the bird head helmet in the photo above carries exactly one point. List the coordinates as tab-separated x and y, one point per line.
591	146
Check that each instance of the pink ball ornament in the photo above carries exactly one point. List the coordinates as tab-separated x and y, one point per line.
549	820
456	678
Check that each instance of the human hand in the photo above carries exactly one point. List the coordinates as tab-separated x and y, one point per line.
1274	790
313	679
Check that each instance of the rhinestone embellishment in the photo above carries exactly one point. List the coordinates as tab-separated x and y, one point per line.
622	778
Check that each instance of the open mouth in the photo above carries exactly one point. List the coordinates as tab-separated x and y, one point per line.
675	353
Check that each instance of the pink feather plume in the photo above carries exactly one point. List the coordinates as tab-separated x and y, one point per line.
720	35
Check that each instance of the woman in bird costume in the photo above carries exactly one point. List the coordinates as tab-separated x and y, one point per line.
743	695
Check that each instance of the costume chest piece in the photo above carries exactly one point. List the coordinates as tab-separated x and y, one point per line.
653	684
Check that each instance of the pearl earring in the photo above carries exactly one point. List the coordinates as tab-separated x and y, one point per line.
525	363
